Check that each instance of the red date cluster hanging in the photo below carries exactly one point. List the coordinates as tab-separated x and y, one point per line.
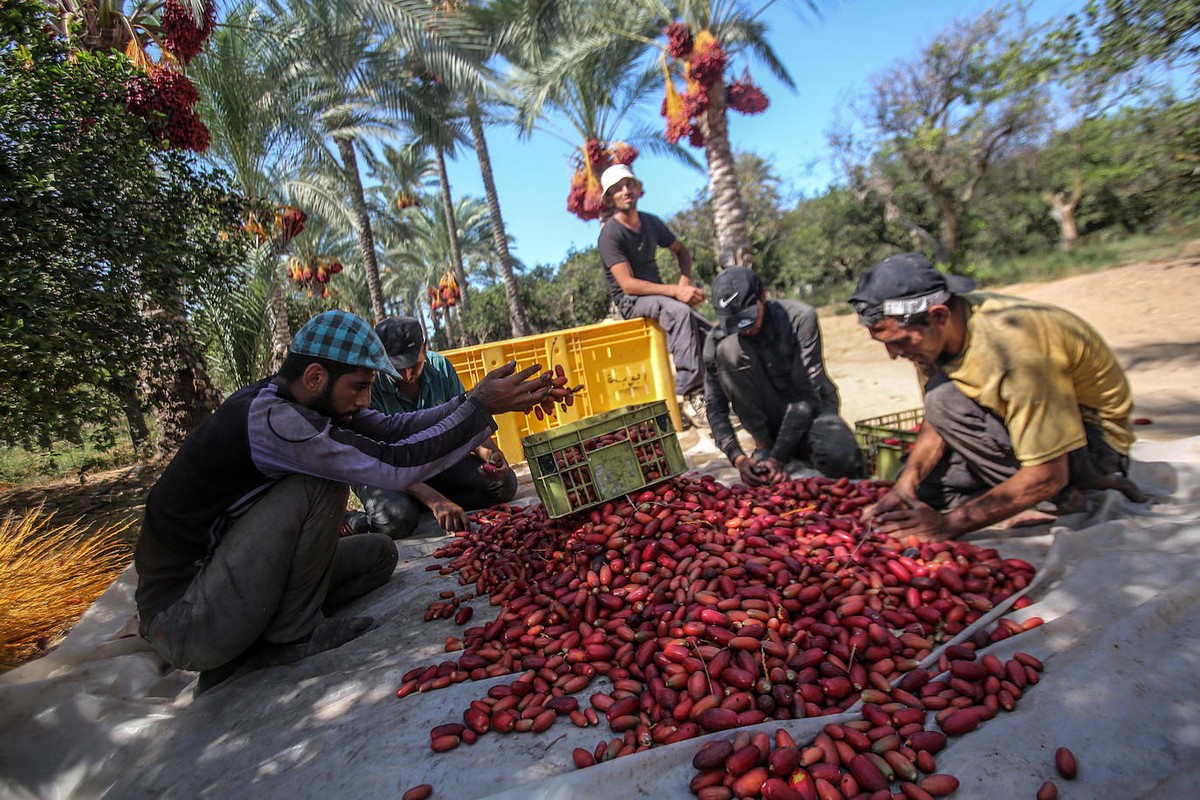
706	608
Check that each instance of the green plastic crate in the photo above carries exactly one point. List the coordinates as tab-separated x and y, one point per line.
884	440
604	456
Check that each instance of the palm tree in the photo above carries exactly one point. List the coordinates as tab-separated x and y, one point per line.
516	311
426	250
571	68
609	33
247	115
351	59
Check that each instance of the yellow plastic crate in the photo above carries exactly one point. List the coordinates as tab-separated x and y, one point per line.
594	460
885	439
619	364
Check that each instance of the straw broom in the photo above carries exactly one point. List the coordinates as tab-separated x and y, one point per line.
50	575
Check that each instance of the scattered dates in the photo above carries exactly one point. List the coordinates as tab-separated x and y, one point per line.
708	608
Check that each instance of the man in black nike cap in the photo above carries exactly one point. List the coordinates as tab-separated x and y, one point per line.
764	359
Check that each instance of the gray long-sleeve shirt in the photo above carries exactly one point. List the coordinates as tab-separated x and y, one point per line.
261	435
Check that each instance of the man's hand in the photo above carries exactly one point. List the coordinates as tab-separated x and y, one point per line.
759	473
450	516
494	462
504	389
896	499
686	293
920	520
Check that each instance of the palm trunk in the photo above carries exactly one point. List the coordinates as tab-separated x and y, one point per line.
181	393
729	217
456	262
362	225
281	332
516	313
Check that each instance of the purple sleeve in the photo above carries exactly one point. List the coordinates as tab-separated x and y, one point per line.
404	449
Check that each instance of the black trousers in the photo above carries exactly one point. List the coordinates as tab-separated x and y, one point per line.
397	513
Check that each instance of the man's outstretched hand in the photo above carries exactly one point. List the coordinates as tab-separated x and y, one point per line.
505	389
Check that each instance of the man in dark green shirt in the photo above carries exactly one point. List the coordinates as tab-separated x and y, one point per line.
480	479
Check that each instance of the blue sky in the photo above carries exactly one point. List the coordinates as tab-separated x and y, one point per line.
831	60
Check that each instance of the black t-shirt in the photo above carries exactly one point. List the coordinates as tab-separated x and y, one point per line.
618	243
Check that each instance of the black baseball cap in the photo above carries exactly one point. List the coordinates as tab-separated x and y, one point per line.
402	337
736	291
902	285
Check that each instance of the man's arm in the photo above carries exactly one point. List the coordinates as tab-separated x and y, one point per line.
636	287
684	257
1026	488
807	330
925	454
449	515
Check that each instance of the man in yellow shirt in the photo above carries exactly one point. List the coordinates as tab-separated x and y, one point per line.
1024	402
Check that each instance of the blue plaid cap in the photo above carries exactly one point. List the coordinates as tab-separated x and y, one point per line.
345	338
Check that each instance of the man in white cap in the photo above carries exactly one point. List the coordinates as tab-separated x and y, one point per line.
1025	403
628	243
239	559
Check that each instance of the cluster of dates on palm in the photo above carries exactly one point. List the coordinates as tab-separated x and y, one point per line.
313	273
164	96
704	62
446	295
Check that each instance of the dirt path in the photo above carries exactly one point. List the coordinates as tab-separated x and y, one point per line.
1149	313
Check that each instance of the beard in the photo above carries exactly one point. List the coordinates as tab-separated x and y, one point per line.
323	404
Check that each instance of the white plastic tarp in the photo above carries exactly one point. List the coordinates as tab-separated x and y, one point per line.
1118	586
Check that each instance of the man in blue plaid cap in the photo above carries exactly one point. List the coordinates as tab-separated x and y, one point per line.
240	559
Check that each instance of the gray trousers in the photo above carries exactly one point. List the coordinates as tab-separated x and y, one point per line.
979	452
273	576
685	330
397	513
829	443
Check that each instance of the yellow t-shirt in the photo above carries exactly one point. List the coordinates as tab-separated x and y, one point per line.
1044	371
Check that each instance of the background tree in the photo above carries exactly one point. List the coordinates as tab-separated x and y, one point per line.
945	117
248	115
107	236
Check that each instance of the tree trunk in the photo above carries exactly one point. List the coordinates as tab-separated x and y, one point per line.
1062	210
729	216
281	332
893	215
181	393
456	262
139	433
948	228
362	225
516	313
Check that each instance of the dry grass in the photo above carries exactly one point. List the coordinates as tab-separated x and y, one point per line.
49	575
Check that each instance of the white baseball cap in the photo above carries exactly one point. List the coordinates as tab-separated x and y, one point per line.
614	175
